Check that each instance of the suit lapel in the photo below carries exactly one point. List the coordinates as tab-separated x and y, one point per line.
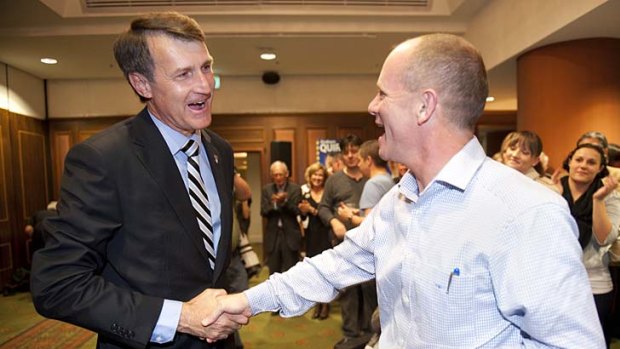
153	152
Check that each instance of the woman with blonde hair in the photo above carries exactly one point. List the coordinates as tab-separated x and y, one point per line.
316	233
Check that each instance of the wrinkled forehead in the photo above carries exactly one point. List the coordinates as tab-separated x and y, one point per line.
278	170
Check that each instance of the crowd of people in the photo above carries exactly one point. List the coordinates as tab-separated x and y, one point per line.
347	195
590	187
462	252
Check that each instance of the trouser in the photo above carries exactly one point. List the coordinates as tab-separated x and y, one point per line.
281	258
357	304
236	276
603	308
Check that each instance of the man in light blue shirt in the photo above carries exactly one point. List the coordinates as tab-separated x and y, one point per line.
466	252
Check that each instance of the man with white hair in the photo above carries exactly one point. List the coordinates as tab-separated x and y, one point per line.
282	238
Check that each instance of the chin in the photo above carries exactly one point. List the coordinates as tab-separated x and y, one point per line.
203	122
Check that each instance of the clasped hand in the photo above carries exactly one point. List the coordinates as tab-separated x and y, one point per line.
213	315
345	212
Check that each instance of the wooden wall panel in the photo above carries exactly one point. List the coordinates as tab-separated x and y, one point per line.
6	260
60	143
32	157
254	133
4	179
65	133
7	205
358	131
25	187
242	135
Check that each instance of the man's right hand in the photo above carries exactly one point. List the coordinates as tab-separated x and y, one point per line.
205	304
234	305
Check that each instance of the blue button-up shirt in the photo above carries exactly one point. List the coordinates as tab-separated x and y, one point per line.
483	257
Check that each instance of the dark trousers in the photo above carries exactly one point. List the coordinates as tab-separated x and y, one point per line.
281	258
236	276
603	307
357	304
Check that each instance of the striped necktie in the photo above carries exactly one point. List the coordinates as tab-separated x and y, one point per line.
199	198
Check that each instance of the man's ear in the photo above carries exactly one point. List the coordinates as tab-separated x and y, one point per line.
141	85
426	109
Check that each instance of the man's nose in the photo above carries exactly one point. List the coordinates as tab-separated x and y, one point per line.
204	83
372	107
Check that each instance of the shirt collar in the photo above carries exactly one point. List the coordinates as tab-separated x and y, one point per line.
457	172
174	139
462	167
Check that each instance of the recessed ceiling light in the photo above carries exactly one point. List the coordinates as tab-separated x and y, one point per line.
490	99
48	60
268	56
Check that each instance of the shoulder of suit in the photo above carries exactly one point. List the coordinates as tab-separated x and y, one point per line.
111	138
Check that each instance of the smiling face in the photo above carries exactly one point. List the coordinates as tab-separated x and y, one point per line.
584	165
317	179
393	108
181	91
519	157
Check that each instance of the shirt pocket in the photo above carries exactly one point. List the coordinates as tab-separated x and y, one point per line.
445	304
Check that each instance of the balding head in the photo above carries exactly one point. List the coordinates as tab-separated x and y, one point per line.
451	66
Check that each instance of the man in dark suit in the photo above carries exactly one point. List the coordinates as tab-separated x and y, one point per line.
142	238
34	228
279	206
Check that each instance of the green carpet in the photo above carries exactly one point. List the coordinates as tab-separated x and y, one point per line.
268	331
22	328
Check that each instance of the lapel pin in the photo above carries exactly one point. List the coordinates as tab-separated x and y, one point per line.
216	158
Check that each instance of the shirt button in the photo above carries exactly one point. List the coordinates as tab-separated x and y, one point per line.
158	339
405	299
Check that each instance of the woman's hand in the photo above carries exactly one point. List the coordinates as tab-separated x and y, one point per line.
305	207
609	185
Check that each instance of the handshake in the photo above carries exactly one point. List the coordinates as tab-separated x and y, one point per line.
213	314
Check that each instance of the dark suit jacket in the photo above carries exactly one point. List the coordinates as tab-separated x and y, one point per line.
286	211
38	233
126	236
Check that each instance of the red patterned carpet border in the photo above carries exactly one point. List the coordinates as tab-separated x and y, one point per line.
50	334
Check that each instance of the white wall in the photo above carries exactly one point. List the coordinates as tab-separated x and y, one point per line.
91	98
21	93
237	95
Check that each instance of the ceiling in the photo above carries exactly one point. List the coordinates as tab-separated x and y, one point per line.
311	37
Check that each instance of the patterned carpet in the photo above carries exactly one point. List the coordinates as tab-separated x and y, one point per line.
22	328
50	334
